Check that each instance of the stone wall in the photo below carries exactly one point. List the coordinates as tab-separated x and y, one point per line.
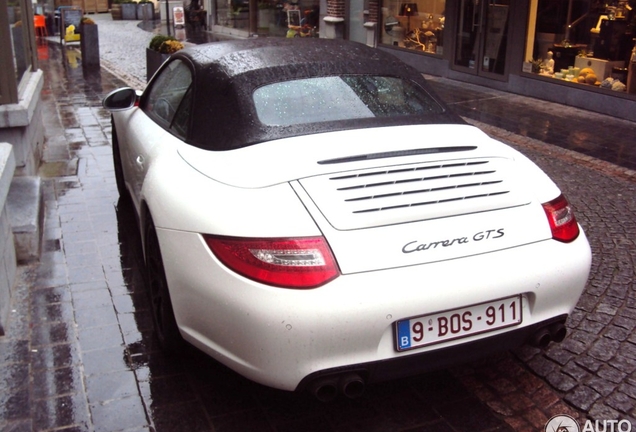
7	247
21	125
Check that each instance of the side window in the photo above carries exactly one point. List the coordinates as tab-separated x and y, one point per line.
180	121
167	97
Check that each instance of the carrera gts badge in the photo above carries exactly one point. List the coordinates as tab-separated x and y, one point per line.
417	246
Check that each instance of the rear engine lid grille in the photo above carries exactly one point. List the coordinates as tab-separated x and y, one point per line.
407	193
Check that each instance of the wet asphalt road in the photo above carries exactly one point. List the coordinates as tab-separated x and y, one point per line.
81	354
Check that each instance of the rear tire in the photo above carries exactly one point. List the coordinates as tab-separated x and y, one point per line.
164	320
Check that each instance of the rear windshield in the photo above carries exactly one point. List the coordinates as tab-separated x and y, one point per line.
334	98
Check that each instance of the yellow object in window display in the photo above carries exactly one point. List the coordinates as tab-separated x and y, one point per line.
70	35
587	76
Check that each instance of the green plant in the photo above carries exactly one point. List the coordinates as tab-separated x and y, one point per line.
165	44
117	2
157	40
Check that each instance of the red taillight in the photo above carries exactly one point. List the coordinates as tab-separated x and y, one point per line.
562	221
283	262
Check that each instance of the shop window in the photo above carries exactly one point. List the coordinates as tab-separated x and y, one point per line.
273	17
17	40
416	25
582	41
233	13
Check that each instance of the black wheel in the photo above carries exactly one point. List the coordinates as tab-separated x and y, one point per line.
163	316
119	173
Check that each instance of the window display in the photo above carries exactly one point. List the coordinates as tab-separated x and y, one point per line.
272	16
416	25
18	55
582	41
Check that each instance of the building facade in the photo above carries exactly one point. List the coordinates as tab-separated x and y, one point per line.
576	52
21	128
20	85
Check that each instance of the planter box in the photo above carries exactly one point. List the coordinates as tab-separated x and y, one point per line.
92	6
129	11
115	11
89	46
146	11
154	60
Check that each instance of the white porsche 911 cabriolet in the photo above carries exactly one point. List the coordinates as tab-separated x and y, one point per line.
313	217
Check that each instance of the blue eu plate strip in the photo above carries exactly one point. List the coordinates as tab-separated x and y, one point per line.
404	334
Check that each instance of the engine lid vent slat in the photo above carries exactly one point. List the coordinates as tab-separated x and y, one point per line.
376	197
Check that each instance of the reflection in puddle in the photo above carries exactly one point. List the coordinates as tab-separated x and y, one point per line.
73	56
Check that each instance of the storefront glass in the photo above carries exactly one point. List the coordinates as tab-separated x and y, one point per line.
17	48
417	25
18	39
482	35
582	41
300	18
292	18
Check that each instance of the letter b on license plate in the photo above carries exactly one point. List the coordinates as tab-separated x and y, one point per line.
458	323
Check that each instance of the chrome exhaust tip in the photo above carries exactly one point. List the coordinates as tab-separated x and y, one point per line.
325	389
352	385
541	339
558	331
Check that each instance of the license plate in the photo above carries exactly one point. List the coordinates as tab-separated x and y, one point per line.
458	323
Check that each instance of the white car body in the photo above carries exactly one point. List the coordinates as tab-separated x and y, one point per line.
402	252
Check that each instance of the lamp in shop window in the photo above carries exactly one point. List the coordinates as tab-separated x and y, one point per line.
408	10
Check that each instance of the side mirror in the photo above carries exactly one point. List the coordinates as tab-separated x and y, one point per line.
121	99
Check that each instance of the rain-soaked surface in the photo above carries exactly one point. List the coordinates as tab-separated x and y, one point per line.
81	355
563	126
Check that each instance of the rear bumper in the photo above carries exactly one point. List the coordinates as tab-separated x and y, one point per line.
416	364
285	338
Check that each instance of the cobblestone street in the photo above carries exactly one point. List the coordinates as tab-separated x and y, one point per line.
593	369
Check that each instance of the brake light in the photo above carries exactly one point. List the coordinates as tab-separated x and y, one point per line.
562	221
299	263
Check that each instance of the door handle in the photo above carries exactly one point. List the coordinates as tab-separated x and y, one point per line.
140	162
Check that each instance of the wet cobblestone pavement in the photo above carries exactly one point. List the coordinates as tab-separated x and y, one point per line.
80	353
585	132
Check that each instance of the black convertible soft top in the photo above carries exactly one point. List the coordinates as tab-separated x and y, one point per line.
225	75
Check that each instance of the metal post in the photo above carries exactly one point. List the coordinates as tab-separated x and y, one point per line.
168	16
253	17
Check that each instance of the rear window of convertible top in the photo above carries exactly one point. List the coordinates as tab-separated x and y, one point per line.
334	98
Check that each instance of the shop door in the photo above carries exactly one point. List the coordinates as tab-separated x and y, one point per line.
481	39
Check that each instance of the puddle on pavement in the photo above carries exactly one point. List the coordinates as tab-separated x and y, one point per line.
58	169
